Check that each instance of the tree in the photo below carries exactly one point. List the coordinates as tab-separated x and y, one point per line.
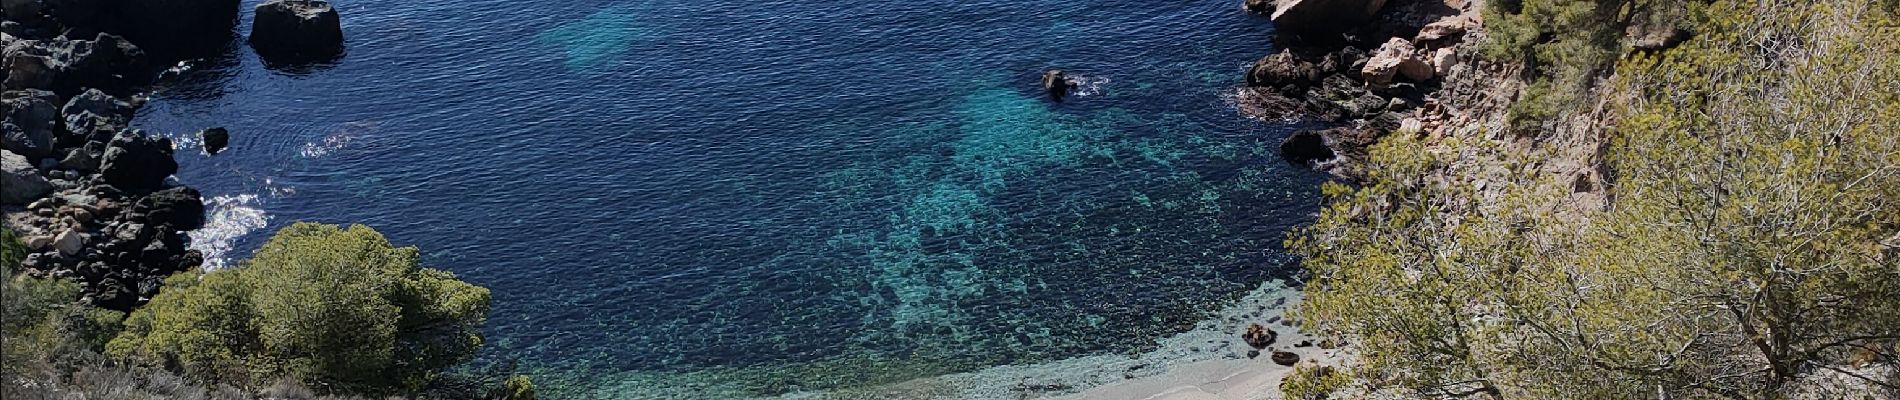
1750	247
329	306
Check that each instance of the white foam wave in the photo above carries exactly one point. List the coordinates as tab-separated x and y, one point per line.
228	218
1088	86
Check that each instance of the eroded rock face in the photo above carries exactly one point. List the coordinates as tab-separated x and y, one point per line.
19	181
1396	58
1324	16
30	125
65	66
297	31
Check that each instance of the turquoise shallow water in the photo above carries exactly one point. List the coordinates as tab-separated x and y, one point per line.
813	193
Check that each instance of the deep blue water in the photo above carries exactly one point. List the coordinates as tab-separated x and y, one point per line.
678	185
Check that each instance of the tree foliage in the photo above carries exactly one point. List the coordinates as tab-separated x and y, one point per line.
338	308
1748	249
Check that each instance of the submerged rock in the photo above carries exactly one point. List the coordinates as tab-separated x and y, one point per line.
1057	84
1323	16
19	181
297	31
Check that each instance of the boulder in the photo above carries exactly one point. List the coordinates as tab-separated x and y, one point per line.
173	26
214	139
181	208
1282	69
297	30
1306	148
134	161
95	115
1446	29
1285	358
1443	61
1323	16
1057	84
31	121
1396	58
69	242
28	66
1258	336
20	183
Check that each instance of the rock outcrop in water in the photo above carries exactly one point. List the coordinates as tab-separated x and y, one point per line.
1057	84
293	31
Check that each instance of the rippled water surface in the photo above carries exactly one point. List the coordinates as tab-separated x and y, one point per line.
852	191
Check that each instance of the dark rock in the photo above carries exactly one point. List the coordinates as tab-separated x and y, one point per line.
297	31
1323	16
1259	336
178	208
133	160
179	26
94	115
1282	69
1262	7
1306	148
1304	343
1285	358
31	121
79	159
214	139
1253	353
65	66
20	183
1057	84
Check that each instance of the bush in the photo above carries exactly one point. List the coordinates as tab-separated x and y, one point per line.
1312	382
334	308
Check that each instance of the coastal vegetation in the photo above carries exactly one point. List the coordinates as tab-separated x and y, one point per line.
1746	249
320	309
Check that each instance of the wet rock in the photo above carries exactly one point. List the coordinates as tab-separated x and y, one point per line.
297	31
94	115
1285	358
1323	16
1306	148
1262	7
19	181
1057	84
1396	58
179	208
1258	336
1282	69
214	139
133	160
31	121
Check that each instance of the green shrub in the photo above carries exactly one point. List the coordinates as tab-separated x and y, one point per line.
1312	382
332	307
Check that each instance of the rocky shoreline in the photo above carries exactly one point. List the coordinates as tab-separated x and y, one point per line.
1369	67
92	196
